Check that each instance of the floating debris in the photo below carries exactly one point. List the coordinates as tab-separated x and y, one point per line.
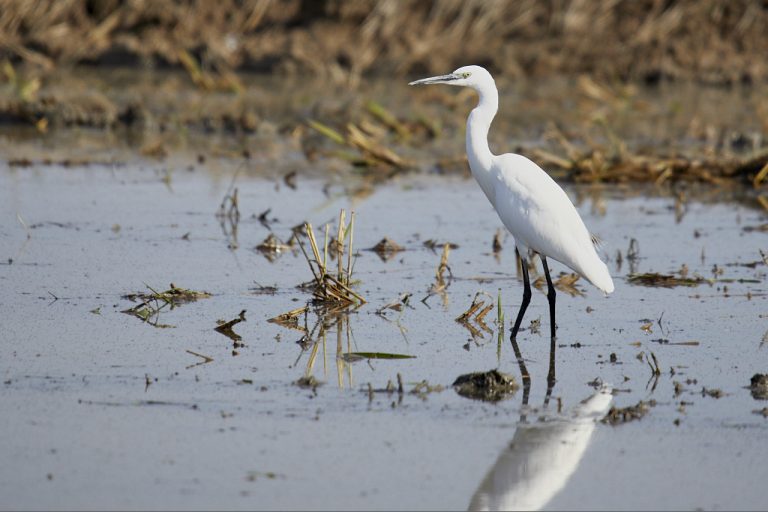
228	215
758	386
308	381
535	326
434	244
496	244
477	311
174	296
252	476
712	392
290	180
440	284
664	341
272	247
291	319
760	228
225	328
653	362
205	359
478	308
351	357
633	251
264	290
420	389
264	219
490	386
398	304
424	388
665	280
152	303
386	249
566	282
618	415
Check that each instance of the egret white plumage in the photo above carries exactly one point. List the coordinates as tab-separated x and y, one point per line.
532	206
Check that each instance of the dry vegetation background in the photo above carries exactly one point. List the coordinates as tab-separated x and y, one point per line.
601	47
707	40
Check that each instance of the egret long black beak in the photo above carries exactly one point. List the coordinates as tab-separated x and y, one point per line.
442	79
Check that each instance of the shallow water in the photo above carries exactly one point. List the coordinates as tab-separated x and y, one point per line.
83	429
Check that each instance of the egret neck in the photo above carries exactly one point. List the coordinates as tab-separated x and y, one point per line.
478	153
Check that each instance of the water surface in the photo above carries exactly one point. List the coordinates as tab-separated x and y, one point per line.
105	411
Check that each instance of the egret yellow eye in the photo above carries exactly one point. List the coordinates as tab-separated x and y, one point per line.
466	74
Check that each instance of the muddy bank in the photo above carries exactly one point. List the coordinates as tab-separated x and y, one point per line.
578	129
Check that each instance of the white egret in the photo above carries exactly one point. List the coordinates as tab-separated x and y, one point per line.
529	202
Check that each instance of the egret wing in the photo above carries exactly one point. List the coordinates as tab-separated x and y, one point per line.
539	214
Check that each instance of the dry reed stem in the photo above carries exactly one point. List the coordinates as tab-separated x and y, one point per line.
469	312
477	311
340	245
481	315
367	145
443	267
565	283
351	240
290	319
478	308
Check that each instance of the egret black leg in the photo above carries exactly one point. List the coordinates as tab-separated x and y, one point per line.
553	326
550	297
526	297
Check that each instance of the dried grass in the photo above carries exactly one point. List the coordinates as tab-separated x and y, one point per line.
709	40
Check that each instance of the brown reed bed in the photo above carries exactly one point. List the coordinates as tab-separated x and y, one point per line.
708	40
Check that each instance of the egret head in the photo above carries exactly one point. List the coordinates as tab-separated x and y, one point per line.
475	77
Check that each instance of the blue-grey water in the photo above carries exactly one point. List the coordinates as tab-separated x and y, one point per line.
101	410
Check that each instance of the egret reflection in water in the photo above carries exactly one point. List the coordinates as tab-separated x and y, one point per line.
541	458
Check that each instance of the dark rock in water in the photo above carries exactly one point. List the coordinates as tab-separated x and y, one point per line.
386	249
759	386
619	415
490	386
308	382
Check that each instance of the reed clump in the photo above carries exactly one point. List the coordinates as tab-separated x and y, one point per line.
332	286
